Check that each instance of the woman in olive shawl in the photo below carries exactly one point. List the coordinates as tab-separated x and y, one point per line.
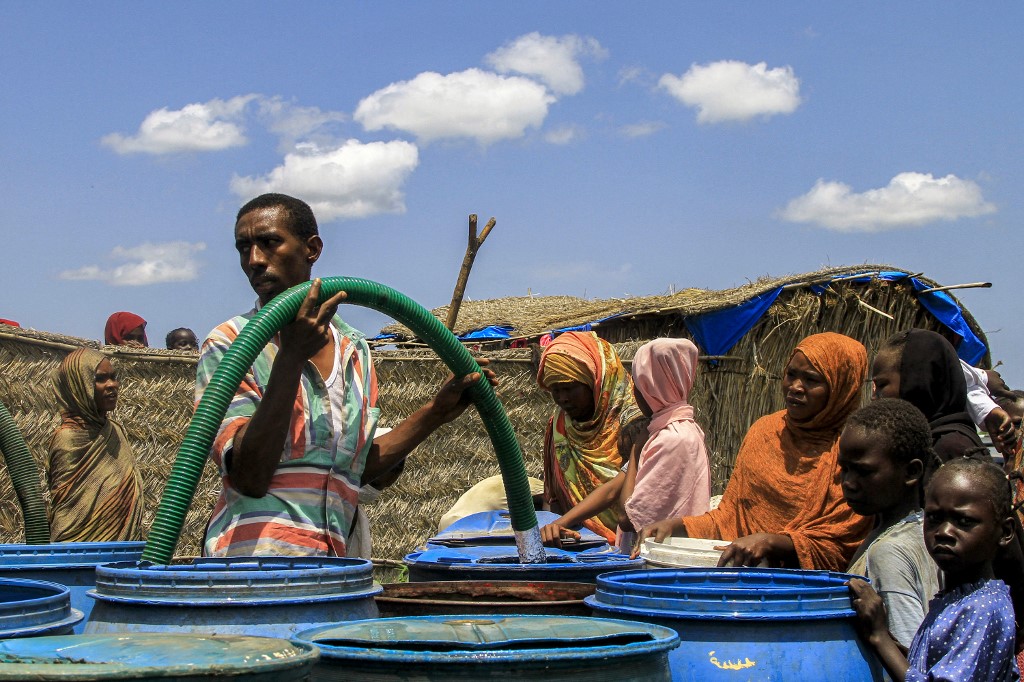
95	487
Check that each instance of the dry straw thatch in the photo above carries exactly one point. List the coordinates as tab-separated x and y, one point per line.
729	394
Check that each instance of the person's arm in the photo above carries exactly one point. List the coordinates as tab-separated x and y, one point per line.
659	531
775	549
390	449
259	443
593	504
873	627
629	484
985	412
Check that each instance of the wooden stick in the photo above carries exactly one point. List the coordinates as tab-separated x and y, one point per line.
972	285
875	310
467	264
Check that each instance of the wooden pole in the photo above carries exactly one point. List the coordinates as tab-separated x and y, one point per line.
467	264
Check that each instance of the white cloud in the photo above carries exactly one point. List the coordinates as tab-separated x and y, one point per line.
145	264
475	104
909	199
563	134
642	128
200	127
634	74
294	123
735	91
552	60
353	180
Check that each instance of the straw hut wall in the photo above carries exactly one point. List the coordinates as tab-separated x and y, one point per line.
730	393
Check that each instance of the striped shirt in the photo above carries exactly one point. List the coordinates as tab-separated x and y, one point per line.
310	504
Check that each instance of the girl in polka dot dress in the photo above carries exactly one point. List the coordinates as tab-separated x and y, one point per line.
968	633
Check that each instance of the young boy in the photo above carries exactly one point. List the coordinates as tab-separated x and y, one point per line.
968	633
882	455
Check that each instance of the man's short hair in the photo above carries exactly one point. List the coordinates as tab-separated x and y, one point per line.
301	220
901	425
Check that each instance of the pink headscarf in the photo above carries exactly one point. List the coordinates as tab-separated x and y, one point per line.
663	372
120	324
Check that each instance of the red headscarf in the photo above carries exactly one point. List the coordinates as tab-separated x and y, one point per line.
120	324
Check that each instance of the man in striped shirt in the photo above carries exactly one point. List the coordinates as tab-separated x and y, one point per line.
297	441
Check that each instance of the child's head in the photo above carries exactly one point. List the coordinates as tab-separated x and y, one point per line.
882	455
182	338
885	369
967	518
663	373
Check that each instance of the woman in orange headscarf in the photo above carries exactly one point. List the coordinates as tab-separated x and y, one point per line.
594	401
784	505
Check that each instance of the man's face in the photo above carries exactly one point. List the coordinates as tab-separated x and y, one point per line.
272	256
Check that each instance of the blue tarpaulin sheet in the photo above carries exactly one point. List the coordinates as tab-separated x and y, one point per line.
719	331
495	331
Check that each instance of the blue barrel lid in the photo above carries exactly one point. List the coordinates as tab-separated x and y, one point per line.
237	581
725	594
67	555
504	557
484	639
33	607
495	527
148	655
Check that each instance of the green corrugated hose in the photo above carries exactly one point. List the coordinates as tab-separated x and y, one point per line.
188	466
25	478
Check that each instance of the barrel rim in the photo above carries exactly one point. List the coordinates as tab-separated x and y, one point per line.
86	555
107	671
677	594
664	640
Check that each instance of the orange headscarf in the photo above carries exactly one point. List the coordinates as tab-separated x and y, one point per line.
786	477
580	456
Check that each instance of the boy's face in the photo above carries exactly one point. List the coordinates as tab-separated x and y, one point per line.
961	530
872	482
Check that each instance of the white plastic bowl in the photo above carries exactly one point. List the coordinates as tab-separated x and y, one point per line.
682	552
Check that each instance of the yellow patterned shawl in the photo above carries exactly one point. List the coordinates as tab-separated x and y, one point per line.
580	456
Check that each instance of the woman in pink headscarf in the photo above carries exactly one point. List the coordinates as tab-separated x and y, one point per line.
671	475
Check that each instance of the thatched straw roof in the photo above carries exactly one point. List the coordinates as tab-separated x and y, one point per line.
532	316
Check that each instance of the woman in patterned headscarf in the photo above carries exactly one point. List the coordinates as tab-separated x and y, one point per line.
95	487
594	401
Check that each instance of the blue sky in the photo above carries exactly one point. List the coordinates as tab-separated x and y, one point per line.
624	149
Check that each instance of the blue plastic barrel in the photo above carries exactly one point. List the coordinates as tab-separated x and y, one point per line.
149	656
72	564
534	648
746	623
262	596
495	528
500	562
29	608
